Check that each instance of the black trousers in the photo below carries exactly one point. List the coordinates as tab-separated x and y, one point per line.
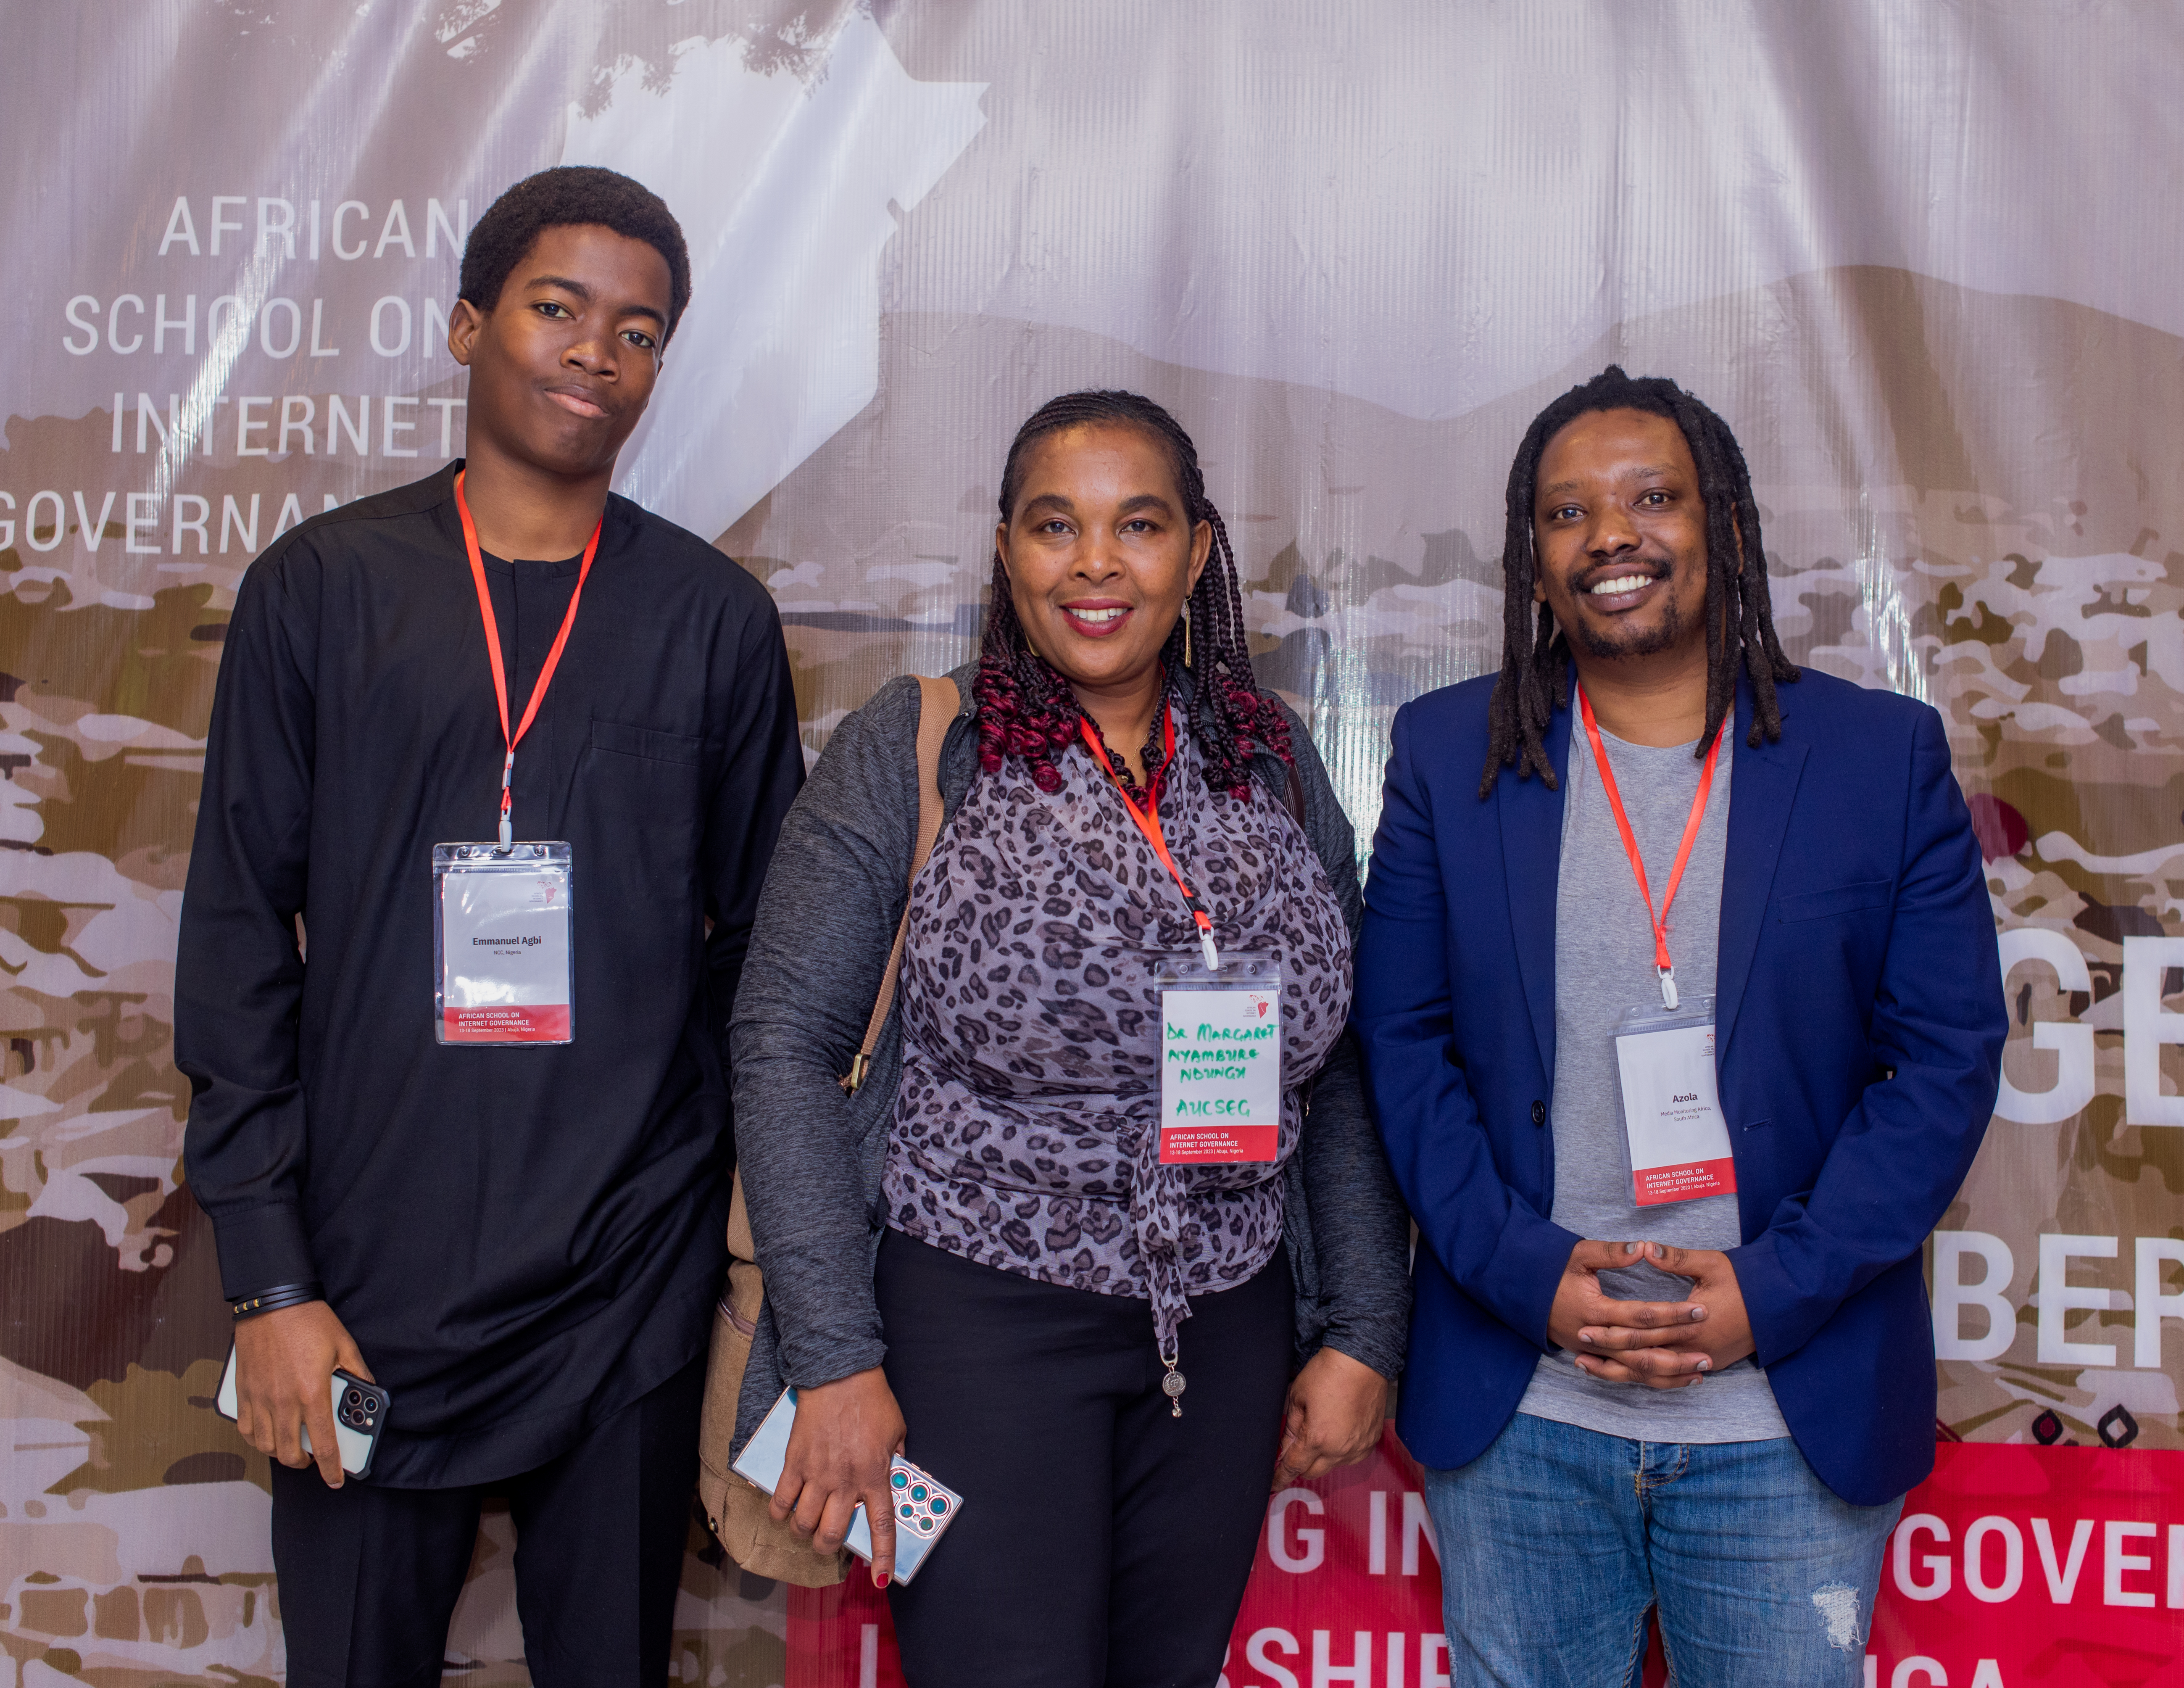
369	1577
1102	1543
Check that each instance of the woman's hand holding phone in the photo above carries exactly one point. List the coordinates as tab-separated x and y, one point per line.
282	1362
845	1434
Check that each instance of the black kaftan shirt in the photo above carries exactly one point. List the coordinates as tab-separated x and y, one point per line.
522	1239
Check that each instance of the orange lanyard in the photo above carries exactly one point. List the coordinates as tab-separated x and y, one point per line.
1148	820
492	647
1662	964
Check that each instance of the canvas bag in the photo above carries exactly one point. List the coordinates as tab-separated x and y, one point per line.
737	1511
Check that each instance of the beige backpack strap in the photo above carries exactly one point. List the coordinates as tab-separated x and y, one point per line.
739	1232
937	701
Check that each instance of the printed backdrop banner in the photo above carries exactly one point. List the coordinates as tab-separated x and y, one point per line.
2062	1568
1922	258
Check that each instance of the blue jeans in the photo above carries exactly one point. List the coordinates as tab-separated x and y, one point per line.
1556	1540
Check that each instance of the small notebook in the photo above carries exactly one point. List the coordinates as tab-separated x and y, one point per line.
924	1506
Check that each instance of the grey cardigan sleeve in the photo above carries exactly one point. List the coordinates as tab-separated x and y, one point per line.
1361	1230
826	922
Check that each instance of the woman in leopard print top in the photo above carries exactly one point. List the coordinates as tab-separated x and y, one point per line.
1037	1265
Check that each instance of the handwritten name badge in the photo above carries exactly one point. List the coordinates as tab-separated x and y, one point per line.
501	922
1220	1075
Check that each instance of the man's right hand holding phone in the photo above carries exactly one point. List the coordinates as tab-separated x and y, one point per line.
284	1363
845	1436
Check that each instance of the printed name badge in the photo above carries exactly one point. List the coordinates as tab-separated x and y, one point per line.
1671	1110
501	938
1221	1061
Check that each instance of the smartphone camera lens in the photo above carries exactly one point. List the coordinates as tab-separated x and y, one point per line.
370	1403
355	1397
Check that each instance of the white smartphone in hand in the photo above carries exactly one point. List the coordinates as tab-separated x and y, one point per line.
924	1506
361	1409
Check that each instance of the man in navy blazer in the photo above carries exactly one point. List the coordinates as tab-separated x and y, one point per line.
1690	1372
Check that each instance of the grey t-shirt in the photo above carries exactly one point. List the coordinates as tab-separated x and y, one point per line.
1604	965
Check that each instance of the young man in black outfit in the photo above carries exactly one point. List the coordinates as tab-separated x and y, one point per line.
511	1218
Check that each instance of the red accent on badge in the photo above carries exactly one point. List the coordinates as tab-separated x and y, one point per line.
1196	1145
1657	1184
505	1024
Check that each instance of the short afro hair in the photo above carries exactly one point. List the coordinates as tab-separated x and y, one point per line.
568	195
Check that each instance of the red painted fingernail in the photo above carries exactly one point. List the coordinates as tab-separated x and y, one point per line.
879	1579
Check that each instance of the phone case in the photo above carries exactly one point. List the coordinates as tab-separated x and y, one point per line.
360	1410
924	1505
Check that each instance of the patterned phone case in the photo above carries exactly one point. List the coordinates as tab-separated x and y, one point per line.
924	1506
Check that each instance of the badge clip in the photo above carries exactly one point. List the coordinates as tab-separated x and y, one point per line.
1205	946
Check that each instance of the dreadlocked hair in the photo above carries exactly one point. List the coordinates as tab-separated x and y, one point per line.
1028	710
1535	679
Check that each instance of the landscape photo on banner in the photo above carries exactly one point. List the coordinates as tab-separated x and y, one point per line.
1906	254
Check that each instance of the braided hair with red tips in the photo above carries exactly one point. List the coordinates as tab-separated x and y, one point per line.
1028	710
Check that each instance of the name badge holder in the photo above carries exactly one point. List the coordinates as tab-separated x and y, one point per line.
502	941
1221	1060
506	943
1672	1120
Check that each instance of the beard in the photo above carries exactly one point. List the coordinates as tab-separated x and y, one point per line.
1613	642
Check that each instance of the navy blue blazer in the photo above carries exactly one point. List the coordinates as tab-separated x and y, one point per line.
1860	1023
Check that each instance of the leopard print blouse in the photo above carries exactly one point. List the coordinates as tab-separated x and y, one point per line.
1024	1131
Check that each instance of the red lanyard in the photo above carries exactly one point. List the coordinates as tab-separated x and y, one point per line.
492	646
1148	820
1662	964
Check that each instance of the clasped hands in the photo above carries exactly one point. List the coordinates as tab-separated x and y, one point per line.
1659	1344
